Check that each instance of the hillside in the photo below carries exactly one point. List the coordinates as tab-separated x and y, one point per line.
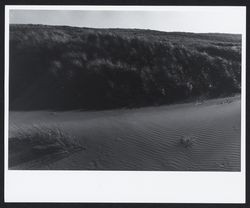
62	68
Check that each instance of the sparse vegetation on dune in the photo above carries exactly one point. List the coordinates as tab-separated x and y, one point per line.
37	142
168	138
59	67
187	141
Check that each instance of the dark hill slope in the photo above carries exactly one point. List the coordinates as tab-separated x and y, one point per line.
60	67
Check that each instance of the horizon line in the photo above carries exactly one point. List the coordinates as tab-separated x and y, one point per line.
163	31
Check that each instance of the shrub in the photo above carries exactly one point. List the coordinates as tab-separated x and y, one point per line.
187	141
38	142
63	68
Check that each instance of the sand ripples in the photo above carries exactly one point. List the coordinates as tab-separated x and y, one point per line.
150	138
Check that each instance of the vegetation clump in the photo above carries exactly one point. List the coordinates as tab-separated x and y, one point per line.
38	142
187	141
58	67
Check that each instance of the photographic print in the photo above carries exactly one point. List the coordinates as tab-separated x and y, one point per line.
124	90
125	104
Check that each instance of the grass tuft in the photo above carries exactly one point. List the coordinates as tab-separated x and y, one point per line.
38	142
187	141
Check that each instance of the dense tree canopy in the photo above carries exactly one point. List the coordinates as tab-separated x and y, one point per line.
59	67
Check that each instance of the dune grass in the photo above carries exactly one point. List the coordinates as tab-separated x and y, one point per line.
187	141
40	141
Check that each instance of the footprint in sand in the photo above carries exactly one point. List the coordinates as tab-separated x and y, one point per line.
118	139
224	164
93	164
236	128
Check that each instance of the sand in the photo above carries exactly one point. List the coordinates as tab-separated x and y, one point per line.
148	138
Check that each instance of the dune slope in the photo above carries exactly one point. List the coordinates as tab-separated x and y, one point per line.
145	139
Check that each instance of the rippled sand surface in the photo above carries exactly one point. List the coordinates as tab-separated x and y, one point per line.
145	139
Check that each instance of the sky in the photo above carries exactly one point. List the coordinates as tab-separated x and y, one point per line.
219	19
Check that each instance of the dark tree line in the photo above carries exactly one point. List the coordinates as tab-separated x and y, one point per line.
54	67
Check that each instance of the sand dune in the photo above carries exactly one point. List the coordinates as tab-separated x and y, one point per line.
144	139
